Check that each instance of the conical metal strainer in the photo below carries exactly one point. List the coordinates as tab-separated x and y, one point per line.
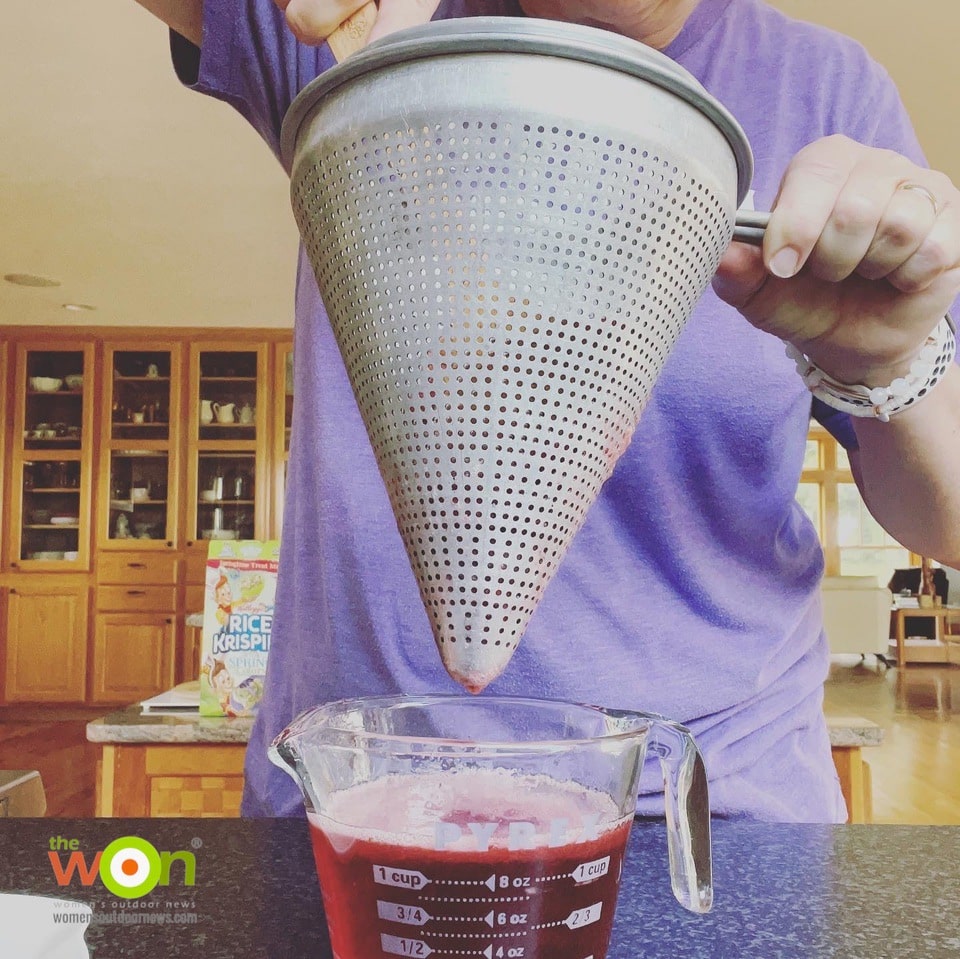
510	221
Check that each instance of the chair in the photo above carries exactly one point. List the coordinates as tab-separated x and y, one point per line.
856	615
21	793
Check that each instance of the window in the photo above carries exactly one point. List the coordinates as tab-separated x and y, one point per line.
854	543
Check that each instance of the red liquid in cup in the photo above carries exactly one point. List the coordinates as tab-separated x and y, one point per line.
388	890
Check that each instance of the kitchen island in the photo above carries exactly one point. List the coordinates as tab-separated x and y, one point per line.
169	765
781	892
189	765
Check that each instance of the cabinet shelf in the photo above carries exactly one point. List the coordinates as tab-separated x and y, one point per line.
227	502
54	392
51	526
140	379
56	440
128	505
52	489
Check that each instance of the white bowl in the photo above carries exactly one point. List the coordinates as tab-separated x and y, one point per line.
64	520
70	555
45	384
139	493
208	496
47	554
218	534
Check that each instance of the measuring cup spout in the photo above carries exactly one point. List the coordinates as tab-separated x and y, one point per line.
288	752
688	813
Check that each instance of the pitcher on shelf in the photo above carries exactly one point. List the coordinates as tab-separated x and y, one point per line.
224	412
206	411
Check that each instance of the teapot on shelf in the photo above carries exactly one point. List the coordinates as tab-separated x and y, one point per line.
224	412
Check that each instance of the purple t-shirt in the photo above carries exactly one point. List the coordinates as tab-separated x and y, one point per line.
692	589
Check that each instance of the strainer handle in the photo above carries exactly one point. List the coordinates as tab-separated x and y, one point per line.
750	226
352	34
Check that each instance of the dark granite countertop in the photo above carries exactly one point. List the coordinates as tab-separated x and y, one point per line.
782	892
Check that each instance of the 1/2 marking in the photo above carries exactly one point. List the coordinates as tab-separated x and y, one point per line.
398	946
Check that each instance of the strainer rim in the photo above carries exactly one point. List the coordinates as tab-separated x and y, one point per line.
524	35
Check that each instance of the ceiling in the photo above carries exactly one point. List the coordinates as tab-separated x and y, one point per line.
161	207
156	205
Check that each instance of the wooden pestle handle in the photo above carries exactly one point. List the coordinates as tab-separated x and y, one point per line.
352	34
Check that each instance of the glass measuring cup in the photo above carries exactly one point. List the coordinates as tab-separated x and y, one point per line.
492	826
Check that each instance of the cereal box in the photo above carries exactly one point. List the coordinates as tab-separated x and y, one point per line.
239	593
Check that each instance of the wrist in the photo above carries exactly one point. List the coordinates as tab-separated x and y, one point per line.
885	391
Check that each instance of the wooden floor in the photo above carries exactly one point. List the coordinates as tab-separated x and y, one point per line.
54	742
916	771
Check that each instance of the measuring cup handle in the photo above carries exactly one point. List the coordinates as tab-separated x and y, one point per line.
688	814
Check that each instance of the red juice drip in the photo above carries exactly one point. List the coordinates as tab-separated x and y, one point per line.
385	899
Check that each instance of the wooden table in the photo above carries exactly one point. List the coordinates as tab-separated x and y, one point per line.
939	614
848	735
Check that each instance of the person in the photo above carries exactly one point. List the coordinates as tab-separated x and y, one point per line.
692	588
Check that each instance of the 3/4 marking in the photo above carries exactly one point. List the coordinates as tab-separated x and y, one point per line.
398	912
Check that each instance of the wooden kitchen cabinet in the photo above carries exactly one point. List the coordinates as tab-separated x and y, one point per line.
46	640
133	656
125	475
135	626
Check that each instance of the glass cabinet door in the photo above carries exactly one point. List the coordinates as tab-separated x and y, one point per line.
140	436
51	511
226	507
228	394
140	406
283	423
53	407
229	411
139	486
52	456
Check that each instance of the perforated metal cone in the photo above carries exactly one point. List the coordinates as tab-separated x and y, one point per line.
508	245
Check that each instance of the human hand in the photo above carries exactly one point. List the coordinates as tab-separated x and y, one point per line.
313	21
860	261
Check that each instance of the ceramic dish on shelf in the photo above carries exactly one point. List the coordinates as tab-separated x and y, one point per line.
64	520
218	534
47	554
45	384
74	381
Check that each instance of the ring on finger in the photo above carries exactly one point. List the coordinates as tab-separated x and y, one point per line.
924	192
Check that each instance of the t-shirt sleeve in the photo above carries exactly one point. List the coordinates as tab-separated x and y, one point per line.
249	59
